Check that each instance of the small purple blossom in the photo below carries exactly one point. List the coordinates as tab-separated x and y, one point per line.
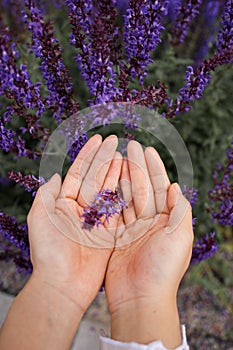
221	196
77	145
142	34
190	194
196	80
95	35
185	13
105	205
10	142
30	182
225	35
14	233
211	13
46	47
15	82
204	248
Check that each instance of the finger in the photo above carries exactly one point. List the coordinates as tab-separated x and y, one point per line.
129	214
180	212
46	196
159	179
79	168
142	192
113	175
95	176
111	182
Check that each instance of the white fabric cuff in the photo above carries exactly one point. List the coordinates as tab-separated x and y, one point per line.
110	344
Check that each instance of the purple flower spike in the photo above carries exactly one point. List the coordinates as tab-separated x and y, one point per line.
185	11
95	35
106	204
142	34
14	243
204	248
16	234
29	182
221	196
46	47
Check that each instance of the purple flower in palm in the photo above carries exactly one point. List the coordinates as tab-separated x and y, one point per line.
106	204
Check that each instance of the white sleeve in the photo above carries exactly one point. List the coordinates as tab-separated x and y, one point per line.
110	344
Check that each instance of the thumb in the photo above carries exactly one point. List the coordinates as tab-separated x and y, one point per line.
49	192
180	210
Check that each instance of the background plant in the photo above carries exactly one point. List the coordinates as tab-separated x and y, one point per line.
59	57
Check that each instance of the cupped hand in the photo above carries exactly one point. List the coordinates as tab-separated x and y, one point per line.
63	254
155	233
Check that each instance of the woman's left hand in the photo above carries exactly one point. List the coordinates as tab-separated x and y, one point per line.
64	255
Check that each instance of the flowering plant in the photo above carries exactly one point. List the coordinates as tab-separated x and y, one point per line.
115	50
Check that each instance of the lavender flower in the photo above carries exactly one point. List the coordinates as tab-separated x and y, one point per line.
142	34
29	182
77	145
186	11
197	80
105	205
15	82
221	196
55	74
204	248
14	233
225	35
17	87
211	12
10	142
14	243
94	35
190	194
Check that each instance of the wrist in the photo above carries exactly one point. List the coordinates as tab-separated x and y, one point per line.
145	320
66	293
41	317
56	297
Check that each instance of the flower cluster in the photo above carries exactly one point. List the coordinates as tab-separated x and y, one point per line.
190	194
77	145
211	12
94	35
14	243
106	204
16	85
46	47
29	182
185	13
225	35
10	142
197	80
142	34
221	196
204	248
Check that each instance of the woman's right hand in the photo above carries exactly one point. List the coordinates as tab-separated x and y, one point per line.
154	239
